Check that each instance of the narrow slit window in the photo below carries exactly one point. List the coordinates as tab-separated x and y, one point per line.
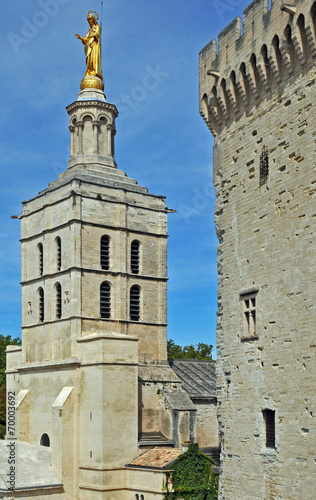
105	300
58	301
269	419
264	165
58	252
105	252
134	306
41	304
135	257
40	259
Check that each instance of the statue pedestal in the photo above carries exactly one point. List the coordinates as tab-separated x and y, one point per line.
91	95
91	82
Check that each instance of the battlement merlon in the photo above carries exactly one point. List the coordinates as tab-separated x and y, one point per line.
254	55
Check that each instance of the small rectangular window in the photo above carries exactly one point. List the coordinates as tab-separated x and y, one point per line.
269	419
249	310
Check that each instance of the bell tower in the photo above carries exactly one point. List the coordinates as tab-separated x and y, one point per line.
94	300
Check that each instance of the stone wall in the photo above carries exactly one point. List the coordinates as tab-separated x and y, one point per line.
257	96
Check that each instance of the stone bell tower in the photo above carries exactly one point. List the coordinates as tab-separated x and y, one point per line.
94	282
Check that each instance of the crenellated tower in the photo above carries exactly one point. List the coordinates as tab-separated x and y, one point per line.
257	96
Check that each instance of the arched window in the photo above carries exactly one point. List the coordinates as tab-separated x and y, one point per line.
105	300
40	259
58	253
105	252
134	303
136	497
142	497
41	304
135	257
58	301
45	441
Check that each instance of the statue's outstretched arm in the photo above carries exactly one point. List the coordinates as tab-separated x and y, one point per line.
84	40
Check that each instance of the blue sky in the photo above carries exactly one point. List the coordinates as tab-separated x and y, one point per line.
161	139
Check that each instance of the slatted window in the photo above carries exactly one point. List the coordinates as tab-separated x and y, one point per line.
105	252
105	300
264	165
40	259
58	301
135	257
41	304
134	304
58	253
269	419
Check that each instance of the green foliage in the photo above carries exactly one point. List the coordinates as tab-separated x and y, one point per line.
4	341
201	351
193	477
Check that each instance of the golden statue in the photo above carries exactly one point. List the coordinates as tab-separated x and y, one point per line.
92	47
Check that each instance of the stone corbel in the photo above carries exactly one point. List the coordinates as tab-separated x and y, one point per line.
286	56
296	38
274	69
311	40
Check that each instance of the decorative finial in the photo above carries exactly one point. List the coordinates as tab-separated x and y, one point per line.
92	47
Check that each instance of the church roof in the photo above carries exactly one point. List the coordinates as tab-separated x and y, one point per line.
198	377
157	458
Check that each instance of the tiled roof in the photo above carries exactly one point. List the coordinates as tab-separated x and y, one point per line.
157	458
198	376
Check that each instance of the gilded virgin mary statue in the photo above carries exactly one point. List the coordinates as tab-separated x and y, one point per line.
92	47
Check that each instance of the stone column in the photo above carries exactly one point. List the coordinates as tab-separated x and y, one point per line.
109	129
79	126
72	140
95	125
